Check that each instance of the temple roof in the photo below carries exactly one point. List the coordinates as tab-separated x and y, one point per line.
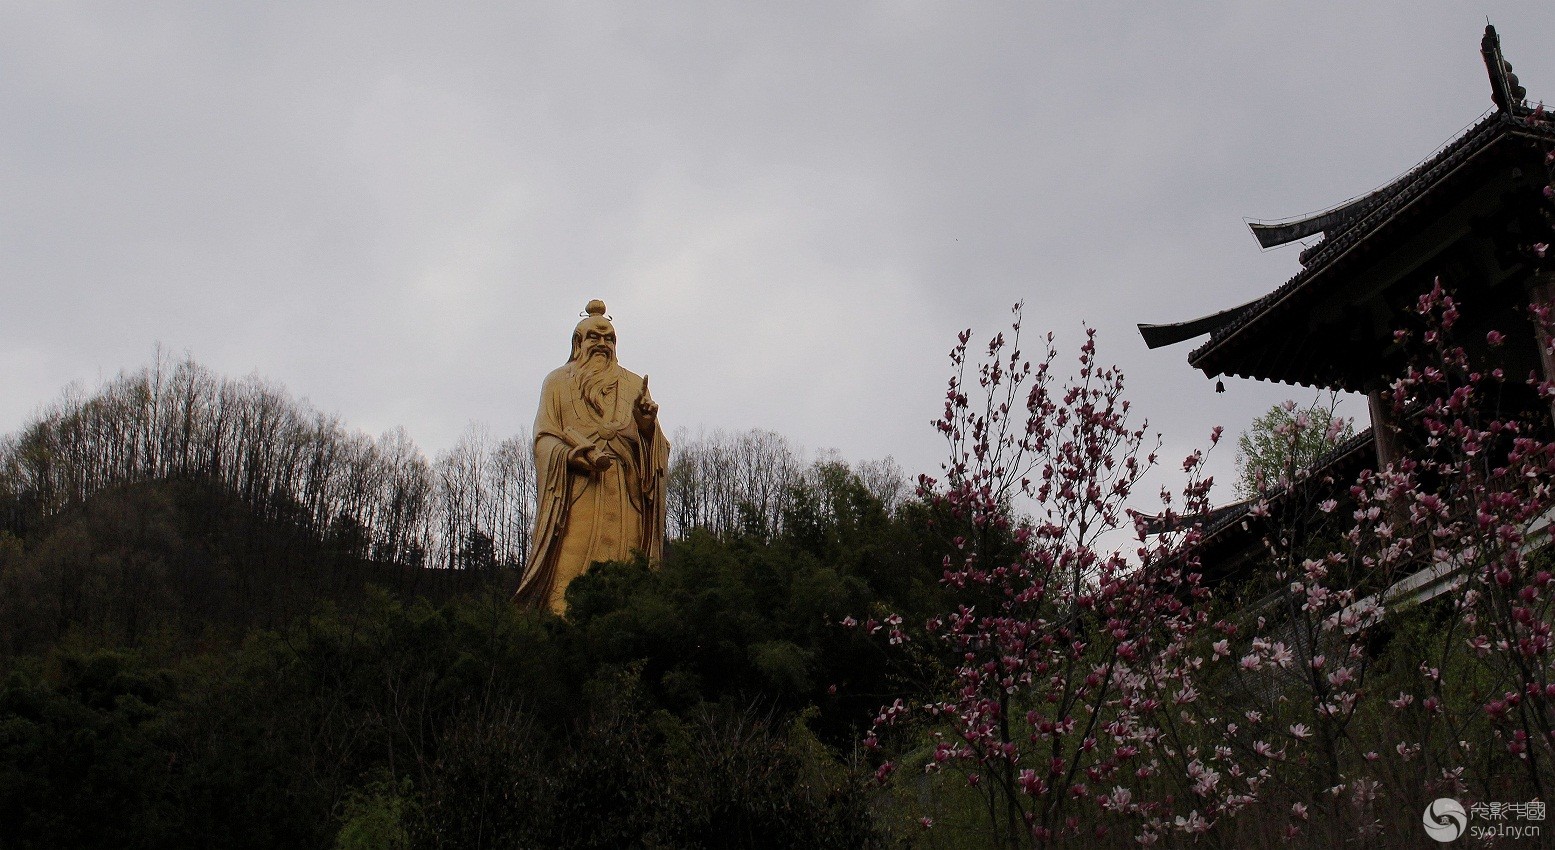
1238	343
1230	535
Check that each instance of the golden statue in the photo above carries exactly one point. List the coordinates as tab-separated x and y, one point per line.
601	460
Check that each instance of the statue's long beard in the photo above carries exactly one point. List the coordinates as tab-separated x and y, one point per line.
595	373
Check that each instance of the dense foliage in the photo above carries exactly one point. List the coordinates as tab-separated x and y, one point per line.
197	672
1287	440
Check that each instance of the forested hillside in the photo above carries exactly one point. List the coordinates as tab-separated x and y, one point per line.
230	620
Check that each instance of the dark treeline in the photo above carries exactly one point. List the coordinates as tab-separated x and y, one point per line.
749	482
379	499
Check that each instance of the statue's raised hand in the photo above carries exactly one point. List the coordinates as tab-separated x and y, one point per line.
645	409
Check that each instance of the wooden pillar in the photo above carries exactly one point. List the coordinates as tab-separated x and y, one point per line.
1542	291
1384	427
1385	437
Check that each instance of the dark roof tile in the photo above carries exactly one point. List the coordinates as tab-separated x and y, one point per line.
1383	205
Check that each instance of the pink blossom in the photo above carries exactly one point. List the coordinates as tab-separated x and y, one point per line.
1193	824
1204	779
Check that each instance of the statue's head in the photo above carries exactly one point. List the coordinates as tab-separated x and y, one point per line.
594	336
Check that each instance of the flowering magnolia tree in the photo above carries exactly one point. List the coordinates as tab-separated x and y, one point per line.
1416	599
1402	649
1469	509
1406	640
1068	660
1291	643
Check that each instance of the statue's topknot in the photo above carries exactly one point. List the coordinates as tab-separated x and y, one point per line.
591	314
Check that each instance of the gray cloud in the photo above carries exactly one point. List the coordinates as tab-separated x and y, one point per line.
791	209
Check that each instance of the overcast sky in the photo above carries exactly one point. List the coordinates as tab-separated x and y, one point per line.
397	211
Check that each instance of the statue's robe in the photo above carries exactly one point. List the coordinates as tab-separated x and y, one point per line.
607	515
